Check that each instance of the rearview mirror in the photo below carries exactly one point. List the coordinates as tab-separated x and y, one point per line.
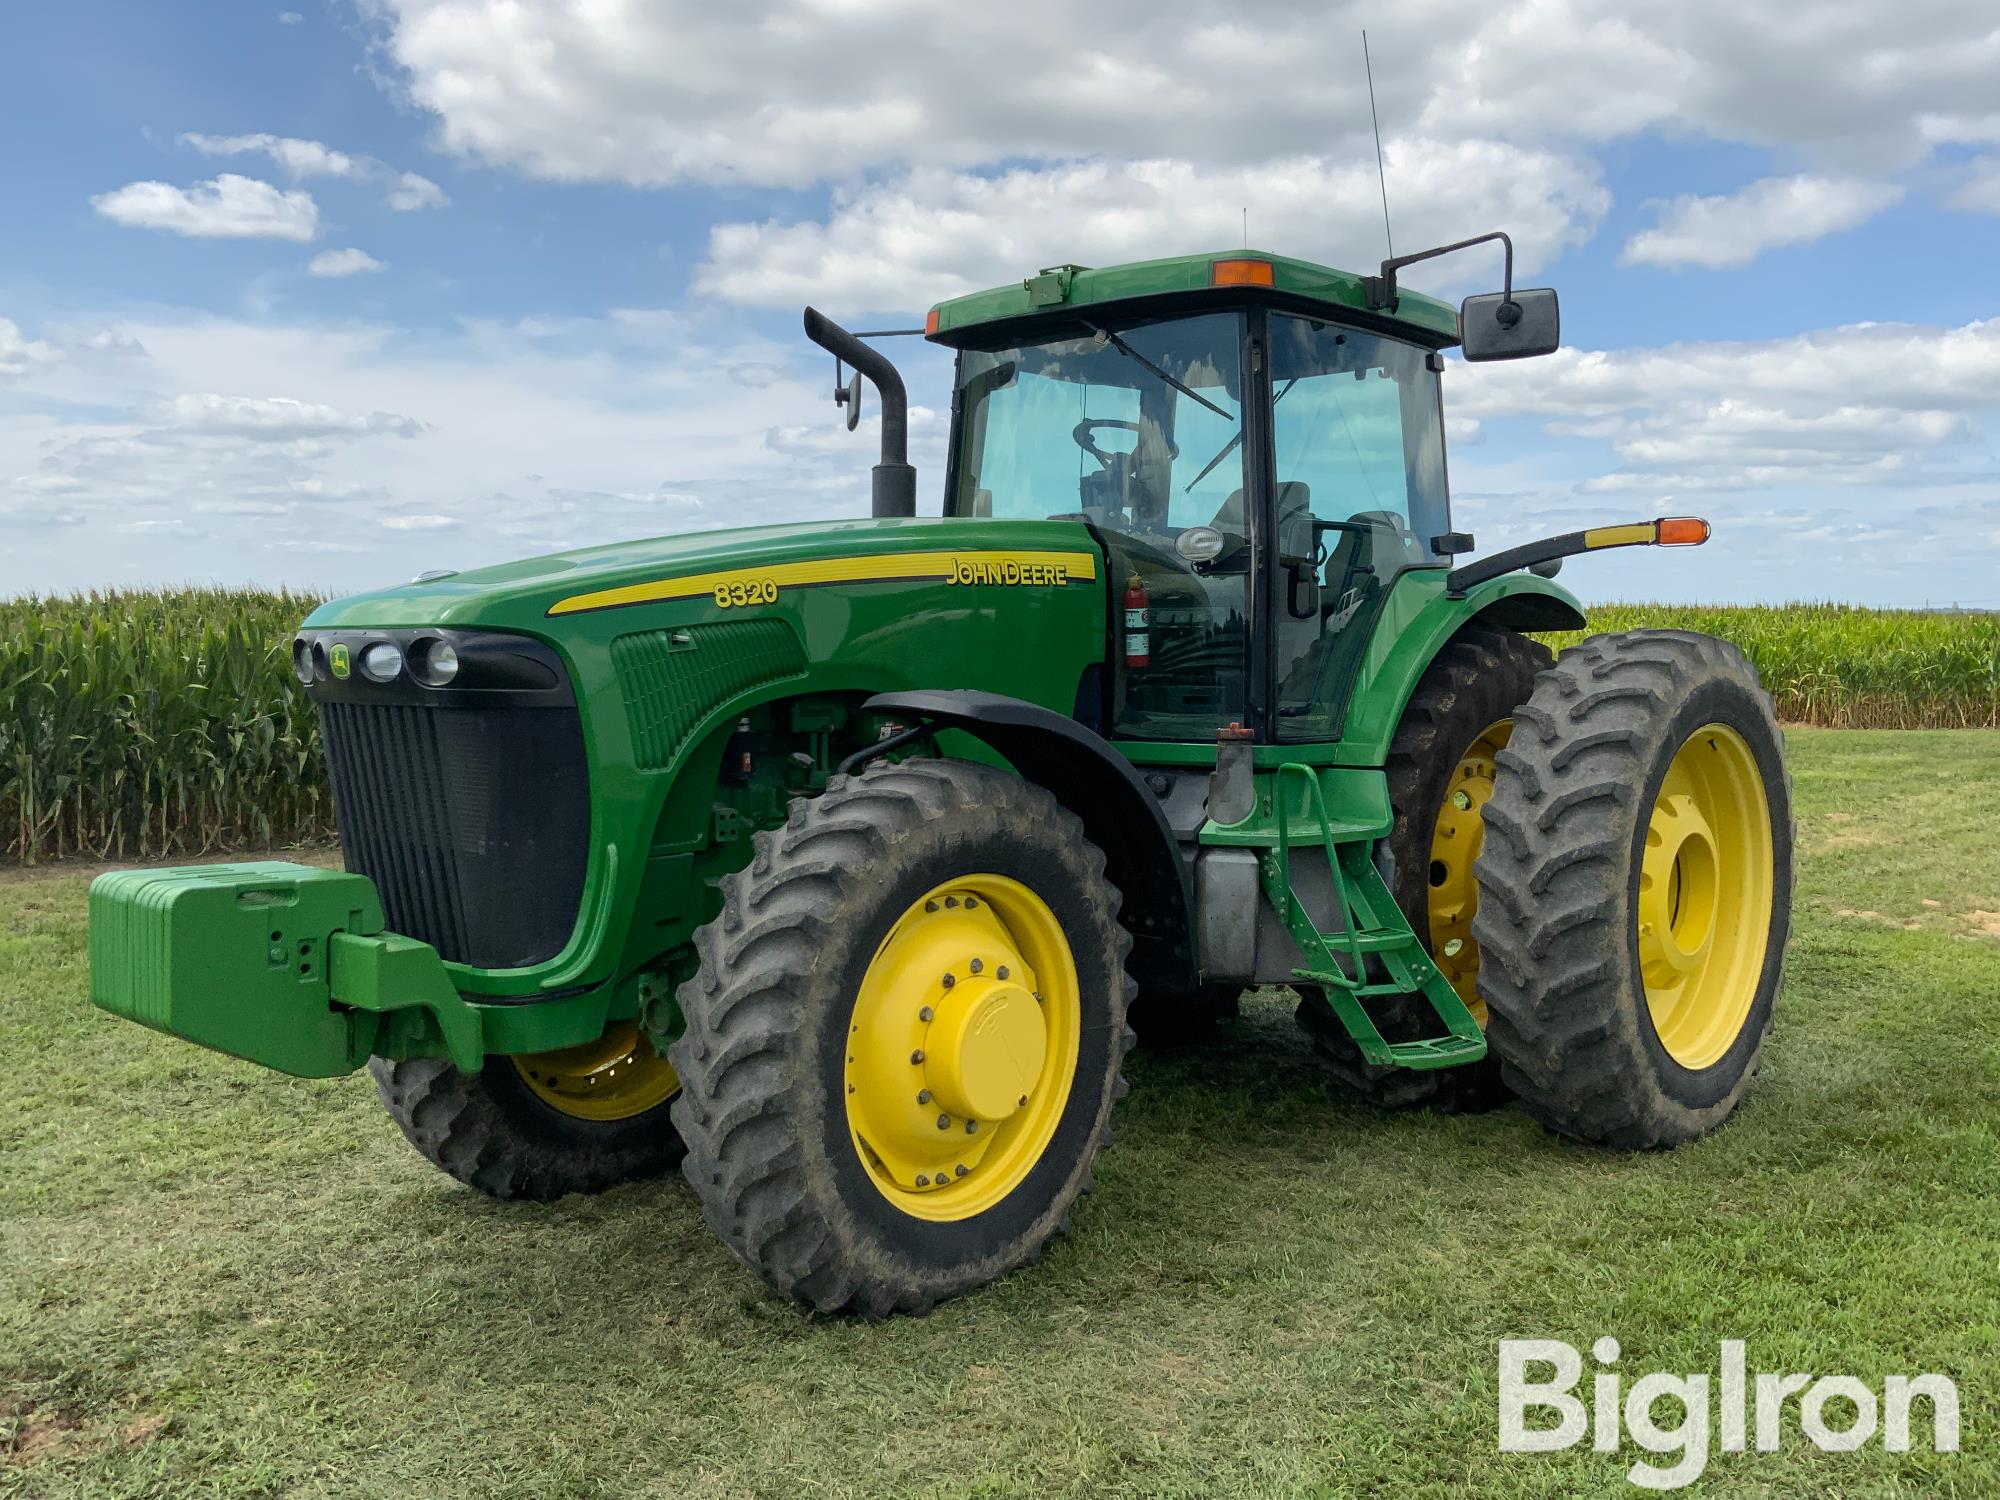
1513	325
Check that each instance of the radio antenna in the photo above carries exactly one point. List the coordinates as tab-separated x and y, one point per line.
1381	174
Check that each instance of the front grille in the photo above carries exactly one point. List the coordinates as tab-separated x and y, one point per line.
674	678
474	823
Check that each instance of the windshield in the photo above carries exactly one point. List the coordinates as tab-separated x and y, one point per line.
1112	426
1136	428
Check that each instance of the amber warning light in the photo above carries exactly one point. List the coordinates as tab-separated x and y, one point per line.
1239	273
1682	531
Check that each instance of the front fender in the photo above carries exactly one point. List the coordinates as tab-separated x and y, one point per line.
1088	776
1416	622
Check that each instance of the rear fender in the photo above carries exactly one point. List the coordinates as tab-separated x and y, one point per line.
1419	620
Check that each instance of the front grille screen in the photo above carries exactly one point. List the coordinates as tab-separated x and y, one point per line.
474	823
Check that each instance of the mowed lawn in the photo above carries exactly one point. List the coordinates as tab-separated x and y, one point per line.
216	1281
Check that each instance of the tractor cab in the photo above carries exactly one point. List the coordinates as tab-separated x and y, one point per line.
1260	472
1257	443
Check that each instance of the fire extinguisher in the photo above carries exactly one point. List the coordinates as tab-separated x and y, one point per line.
1138	640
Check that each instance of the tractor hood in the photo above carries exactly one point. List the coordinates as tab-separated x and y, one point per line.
526	595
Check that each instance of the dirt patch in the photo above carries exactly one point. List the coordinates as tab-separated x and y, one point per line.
1985	923
33	1432
142	1430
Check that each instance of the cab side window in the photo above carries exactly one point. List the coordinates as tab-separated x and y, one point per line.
1358	446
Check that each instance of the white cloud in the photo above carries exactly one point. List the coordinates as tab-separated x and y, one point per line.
289	18
676	91
1733	230
349	262
1978	189
19	354
229	207
1860	405
412	192
301	158
585	431
307	158
280	418
932	234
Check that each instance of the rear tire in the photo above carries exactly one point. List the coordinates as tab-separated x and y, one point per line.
1635	889
1473	684
780	1075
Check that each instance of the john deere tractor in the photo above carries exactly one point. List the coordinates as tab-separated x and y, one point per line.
830	861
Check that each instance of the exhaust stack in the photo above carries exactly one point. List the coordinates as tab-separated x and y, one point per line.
895	482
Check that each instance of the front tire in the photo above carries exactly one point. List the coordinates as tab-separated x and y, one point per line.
903	1041
575	1121
1635	889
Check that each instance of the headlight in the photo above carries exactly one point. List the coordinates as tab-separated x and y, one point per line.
302	660
382	661
434	662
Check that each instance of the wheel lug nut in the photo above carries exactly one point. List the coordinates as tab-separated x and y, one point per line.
923	1179
930	906
950	979
970	902
1024	1099
925	1014
1001	972
960	1169
923	1096
977	966
917	1056
944	1122
971	1126
951	901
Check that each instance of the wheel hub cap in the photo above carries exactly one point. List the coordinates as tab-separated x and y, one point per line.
962	1047
985	1049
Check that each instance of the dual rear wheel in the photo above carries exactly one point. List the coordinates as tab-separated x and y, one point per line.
1597	851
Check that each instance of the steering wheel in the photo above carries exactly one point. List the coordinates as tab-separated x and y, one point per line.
1085	434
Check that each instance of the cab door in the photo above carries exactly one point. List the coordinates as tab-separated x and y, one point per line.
1358	469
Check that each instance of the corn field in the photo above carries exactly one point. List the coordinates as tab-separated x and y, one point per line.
147	725
1840	667
141	725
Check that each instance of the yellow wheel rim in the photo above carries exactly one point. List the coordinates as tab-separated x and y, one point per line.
613	1078
962	1047
1705	891
1455	843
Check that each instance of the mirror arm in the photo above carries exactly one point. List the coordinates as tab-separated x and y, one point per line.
1381	290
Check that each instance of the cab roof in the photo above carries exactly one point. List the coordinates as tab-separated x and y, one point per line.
1298	283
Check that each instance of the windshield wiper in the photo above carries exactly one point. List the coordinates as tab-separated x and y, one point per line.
1231	446
1130	353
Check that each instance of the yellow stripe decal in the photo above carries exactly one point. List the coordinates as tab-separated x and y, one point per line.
742	586
1636	534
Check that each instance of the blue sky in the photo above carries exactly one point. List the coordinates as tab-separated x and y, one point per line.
326	293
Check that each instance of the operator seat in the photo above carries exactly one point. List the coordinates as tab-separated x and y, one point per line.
1349	586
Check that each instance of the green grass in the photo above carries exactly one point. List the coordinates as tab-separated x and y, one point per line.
214	1281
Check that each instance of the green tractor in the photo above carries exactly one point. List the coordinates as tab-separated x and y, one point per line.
830	862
